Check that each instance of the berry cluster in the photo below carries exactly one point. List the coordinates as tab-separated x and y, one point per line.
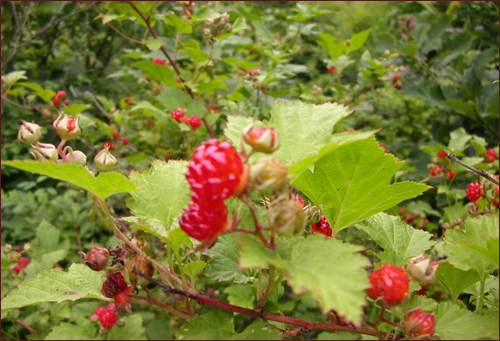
116	136
21	264
56	100
441	169
179	115
115	287
491	155
216	173
390	284
475	191
106	316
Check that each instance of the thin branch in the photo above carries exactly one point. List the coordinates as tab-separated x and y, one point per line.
362	92
479	172
28	328
259	313
114	28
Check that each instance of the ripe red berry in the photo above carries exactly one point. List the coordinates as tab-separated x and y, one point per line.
332	69
194	122
115	134
418	323
159	62
56	100
178	114
495	202
24	262
441	154
127	100
217	172
435	171
475	191
495	191
107	316
390	284
396	77
204	220
325	227
398	86
61	94
124	140
491	155
114	284
451	175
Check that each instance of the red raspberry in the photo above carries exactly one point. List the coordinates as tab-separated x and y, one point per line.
194	122
332	69
124	140
56	100
115	134
159	62
491	155
107	316
441	154
299	200
475	191
495	202
390	284
217	172
435	171
127	100
204	220
325	227
417	323
185	119
398	86
396	77
178	114
114	284
23	262
495	191
254	72
122	299
451	175
61	94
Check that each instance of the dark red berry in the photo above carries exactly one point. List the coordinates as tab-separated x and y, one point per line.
418	323
491	155
495	202
127	100
97	259
332	69
204	220
396	77
389	284
441	154
451	175
217	172
56	100
114	284
194	122
475	191
398	86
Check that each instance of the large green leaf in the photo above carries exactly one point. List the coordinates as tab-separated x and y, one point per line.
102	186
392	234
352	183
165	192
69	331
455	280
454	323
475	246
218	324
55	285
330	269
160	73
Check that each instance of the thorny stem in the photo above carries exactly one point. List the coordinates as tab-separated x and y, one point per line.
151	299
174	64
480	172
260	313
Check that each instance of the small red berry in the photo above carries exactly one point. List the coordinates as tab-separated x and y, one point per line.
107	316
178	114
437	170
475	191
114	284
115	134
418	323
451	175
194	122
325	227
495	202
204	220
299	200
263	88
66	102
396	77
332	69
109	145
491	155
127	100
441	154
495	191
24	262
56	100
217	172
61	94
124	140
398	86
159	62
390	284
185	119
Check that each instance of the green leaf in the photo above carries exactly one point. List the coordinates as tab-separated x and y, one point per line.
224	262
74	109
259	330
241	295
160	73
154	45
392	234
44	94
55	285
196	55
13	77
47	247
165	192
102	186
133	329
239	24
334	50
352	183
474	246
149	106
455	280
209	87
180	25
454	323
172	99
358	40
458	139
262	32
194	268
205	13
316	265
241	63
69	331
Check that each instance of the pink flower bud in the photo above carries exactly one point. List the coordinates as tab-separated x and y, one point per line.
104	160
76	156
44	152
29	133
261	139
67	128
422	269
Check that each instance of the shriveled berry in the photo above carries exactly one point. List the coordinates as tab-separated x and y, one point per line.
97	259
491	155
204	220
389	284
475	191
194	122
114	284
217	172
137	263
418	323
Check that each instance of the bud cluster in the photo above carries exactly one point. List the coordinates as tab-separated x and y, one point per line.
221	26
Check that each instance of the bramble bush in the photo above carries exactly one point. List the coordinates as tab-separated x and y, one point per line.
231	170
